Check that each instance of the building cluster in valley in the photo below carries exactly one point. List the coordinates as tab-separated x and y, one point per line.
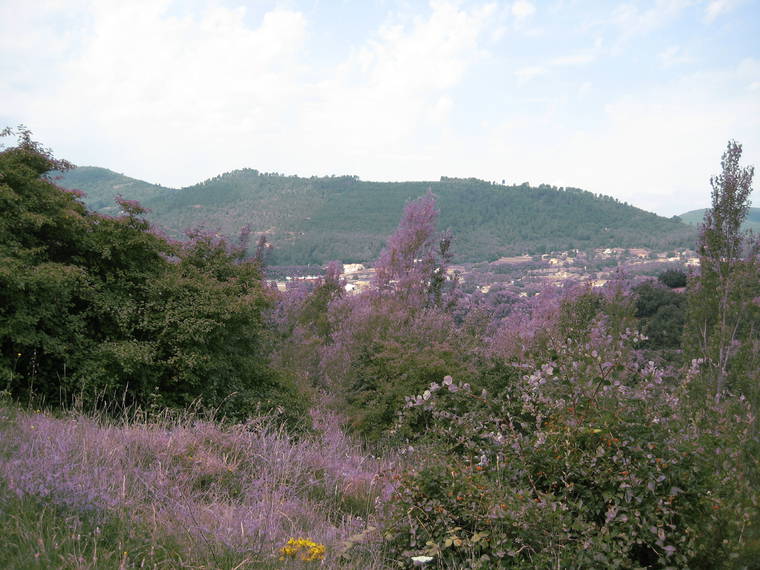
526	273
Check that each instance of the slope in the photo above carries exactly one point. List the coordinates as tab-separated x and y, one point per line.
313	220
102	186
695	218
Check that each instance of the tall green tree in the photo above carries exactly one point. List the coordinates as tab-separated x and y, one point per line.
103	310
723	314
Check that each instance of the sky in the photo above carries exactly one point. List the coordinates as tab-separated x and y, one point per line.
635	100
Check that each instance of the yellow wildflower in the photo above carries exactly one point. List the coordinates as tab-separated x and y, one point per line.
303	549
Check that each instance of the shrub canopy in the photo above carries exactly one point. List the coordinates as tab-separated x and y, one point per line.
102	310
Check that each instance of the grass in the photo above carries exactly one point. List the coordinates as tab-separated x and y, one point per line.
79	492
41	534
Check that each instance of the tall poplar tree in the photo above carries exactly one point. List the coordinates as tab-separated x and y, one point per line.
723	312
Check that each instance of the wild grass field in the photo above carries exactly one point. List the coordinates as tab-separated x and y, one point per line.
83	492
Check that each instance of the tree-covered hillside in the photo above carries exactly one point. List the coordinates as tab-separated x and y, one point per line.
751	222
313	220
103	186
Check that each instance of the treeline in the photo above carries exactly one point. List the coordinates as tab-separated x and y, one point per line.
314	220
751	221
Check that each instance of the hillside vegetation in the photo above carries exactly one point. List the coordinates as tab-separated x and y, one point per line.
98	310
751	222
313	220
162	406
103	186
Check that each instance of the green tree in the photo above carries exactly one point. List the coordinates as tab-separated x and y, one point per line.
672	278
100	309
722	321
661	315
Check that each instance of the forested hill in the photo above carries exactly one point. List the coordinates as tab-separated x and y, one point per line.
313	220
751	222
103	185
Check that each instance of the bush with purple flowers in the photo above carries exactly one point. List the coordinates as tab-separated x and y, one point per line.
590	460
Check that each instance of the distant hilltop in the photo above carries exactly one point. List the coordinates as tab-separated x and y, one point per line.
314	220
696	217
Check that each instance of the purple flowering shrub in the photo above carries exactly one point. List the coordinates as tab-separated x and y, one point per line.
383	353
591	459
378	346
539	323
303	327
412	267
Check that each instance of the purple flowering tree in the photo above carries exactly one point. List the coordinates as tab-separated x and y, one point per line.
413	264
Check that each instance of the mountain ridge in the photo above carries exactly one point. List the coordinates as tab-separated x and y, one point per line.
313	220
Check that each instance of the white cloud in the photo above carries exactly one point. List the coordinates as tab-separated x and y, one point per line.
716	8
585	89
577	59
630	21
31	38
403	73
574	59
440	110
526	74
655	148
141	78
523	9
175	99
673	55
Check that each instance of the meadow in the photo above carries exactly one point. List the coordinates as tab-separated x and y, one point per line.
84	492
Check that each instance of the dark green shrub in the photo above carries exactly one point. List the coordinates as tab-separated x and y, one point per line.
393	356
662	315
672	278
102	311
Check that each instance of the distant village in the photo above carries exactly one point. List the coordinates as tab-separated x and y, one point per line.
528	273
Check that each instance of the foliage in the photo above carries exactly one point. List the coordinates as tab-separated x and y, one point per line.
539	434
751	222
672	278
723	313
103	186
314	220
38	534
391	355
577	313
314	311
595	457
102	311
537	325
399	336
413	265
590	460
661	315
302	319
